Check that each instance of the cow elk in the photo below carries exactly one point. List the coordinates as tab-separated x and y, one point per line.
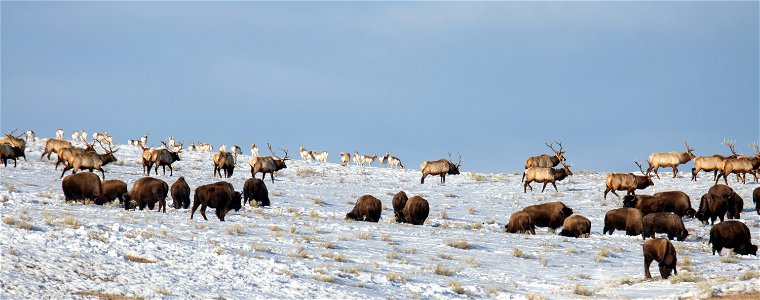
54	146
268	164
545	175
440	167
627	182
740	166
712	163
224	161
545	160
669	159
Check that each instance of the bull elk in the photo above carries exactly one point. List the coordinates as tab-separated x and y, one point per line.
740	166
669	159
440	167
163	158
627	182
66	155
545	175
713	162
14	141
268	164
91	161
545	160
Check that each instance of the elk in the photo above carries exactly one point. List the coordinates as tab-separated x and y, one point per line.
394	161
7	151
344	158
163	158
30	136
254	150
739	166
319	156
545	160
545	175
712	163
146	161
367	159
91	161
54	145
15	141
59	134
66	155
440	167
669	159
268	164
627	182
224	161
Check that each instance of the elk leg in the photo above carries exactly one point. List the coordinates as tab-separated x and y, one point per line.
715	174
156	169
64	170
164	168
607	190
263	175
422	180
555	186
271	174
102	173
14	162
543	188
657	172
675	171
171	171
443	178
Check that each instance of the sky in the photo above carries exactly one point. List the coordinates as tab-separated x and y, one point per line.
494	81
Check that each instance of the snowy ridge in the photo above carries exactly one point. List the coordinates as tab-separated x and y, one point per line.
302	247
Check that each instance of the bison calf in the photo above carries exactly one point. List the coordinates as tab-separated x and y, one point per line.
576	226
628	219
254	189
734	235
550	214
220	195
663	222
367	208
180	193
146	192
520	222
662	251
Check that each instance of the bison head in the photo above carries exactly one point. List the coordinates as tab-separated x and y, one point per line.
566	211
665	271
682	235
235	202
746	249
630	201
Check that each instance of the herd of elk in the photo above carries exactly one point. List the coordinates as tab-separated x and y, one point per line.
713	162
90	161
740	166
545	160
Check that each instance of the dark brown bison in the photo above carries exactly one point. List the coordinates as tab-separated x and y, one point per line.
146	192
220	195
254	189
576	226
550	214
662	251
83	186
645	203
416	210
710	208
628	219
734	235
677	202
663	222
180	193
756	199
113	189
399	202
520	222
735	202
367	208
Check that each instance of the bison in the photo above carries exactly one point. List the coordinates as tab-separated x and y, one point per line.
735	202
440	167
180	193
219	195
83	186
677	202
576	226
146	192
663	222
732	234
416	210
628	219
520	222
711	207
645	203
756	199
367	208
550	214
254	189
662	251
113	189
399	202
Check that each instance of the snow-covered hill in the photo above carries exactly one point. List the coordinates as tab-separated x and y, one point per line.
301	247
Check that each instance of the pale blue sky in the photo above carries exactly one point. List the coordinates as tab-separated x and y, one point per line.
614	80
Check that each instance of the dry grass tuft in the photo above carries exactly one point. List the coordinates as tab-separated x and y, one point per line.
456	287
747	275
95	236
18	223
684	276
472	261
729	259
534	296
335	256
363	235
324	278
299	252
583	291
395	277
261	248
445	256
458	243
478	177
138	259
236	229
302	172
73	222
94	294
443	270
443	214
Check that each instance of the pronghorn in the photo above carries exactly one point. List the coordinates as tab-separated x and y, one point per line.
254	150
304	154
368	159
75	136
357	158
83	136
59	134
394	161
384	159
344	158
319	156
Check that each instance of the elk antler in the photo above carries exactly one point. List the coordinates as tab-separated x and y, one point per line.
10	133
270	151
640	168
286	154
730	145
459	163
561	148
756	148
688	149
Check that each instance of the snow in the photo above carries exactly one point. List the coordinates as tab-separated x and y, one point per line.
302	247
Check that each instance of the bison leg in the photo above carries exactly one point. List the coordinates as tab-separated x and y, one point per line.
195	206
203	211
220	213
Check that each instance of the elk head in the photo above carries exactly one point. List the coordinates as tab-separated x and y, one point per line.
639	182
566	167
108	157
454	168
560	154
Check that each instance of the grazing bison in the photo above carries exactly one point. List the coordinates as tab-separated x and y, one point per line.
180	193
399	202
146	192
367	208
732	234
645	203
756	199
735	202
113	189
550	214
628	219
576	226
220	195
83	186
416	210
711	207
254	189
662	251
663	222
677	202
520	222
